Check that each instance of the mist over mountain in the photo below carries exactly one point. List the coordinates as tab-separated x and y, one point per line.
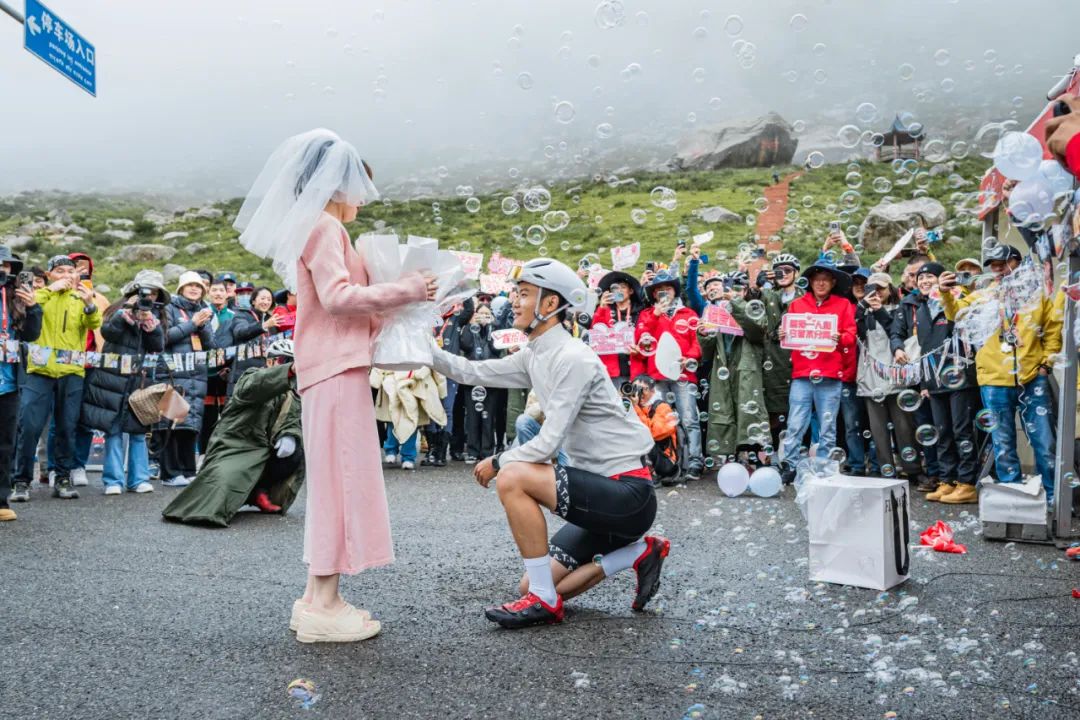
436	94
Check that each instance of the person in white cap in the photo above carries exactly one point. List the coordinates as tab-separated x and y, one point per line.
604	492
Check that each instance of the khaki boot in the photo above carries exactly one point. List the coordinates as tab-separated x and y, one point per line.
962	495
943	489
7	514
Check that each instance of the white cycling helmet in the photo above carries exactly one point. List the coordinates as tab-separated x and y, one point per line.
554	276
786	259
280	348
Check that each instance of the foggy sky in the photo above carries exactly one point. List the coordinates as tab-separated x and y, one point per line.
193	95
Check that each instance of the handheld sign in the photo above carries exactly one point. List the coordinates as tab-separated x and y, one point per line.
809	332
503	339
625	256
614	340
470	262
60	47
495	284
717	316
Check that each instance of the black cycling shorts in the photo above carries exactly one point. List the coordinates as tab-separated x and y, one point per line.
602	514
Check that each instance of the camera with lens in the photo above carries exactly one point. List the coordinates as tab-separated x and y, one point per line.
5	278
145	300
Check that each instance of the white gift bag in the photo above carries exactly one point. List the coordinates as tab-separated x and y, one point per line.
1021	503
859	531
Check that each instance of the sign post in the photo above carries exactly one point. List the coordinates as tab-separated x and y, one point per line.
56	44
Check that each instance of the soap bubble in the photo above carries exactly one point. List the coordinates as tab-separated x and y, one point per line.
849	136
887	470
909	454
926	435
866	113
472	205
1018	155
536	235
604	131
479	393
815	160
537	199
510	205
798	22
639	216
303	691
525	81
942	57
755	309
881	185
909	400
564	111
952	377
1032	201
815	376
610	14
556	220
733	26
722	373
663	197
907	71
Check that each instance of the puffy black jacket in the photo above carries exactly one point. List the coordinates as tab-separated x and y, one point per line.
477	345
913	315
190	383
105	399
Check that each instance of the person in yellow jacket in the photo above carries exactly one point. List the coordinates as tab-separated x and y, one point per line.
54	375
1013	368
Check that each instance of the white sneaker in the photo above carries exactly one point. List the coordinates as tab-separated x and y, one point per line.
178	481
390	459
408	465
52	478
143	487
347	625
113	490
78	477
299	606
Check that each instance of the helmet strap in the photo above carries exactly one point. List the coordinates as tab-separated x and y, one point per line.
539	317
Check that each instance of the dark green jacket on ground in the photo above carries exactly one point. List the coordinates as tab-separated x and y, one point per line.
242	443
776	361
730	412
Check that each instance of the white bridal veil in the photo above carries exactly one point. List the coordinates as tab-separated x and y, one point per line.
301	176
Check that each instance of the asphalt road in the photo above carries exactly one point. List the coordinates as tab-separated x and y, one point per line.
108	612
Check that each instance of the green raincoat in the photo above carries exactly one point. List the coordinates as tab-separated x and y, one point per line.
263	408
776	361
729	399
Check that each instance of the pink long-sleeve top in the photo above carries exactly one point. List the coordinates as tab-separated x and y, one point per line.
336	308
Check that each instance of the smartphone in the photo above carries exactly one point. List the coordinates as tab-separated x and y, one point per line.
25	280
85	281
834	226
650	266
965	278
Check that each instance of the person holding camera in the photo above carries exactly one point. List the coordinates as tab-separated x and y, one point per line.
133	327
1013	366
663	425
477	344
20	321
620	305
54	379
188	331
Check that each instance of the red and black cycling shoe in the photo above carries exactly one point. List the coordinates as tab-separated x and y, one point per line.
526	611
647	567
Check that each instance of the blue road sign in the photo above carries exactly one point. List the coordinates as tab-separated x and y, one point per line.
53	40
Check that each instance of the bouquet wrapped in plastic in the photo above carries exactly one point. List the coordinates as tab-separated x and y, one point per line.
404	342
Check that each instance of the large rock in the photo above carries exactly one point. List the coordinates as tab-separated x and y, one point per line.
76	229
15	241
120	222
194	248
885	223
764	142
147	253
717	214
159	218
41	227
120	234
175	235
203	213
172	272
60	216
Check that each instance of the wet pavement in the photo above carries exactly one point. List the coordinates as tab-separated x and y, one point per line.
111	613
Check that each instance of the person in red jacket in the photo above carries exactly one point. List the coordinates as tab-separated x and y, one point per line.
817	376
620	304
1063	136
665	314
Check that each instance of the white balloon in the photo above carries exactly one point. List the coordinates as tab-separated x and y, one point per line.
1031	201
1018	155
733	479
765	482
1059	179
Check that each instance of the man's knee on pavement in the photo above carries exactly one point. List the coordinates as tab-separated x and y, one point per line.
509	480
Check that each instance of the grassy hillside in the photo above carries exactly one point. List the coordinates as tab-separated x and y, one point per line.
599	214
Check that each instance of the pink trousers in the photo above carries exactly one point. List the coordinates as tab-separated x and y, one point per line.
347	522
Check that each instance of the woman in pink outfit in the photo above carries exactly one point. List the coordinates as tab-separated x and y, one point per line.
312	185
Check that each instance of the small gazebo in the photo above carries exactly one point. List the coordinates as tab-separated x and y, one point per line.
901	142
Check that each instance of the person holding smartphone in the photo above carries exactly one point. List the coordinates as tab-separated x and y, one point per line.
20	320
620	306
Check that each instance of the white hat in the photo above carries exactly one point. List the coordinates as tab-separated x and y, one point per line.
191	278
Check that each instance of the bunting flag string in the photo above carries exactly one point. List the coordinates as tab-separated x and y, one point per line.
11	352
928	365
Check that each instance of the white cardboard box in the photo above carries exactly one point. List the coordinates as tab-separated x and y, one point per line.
859	531
1020	503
